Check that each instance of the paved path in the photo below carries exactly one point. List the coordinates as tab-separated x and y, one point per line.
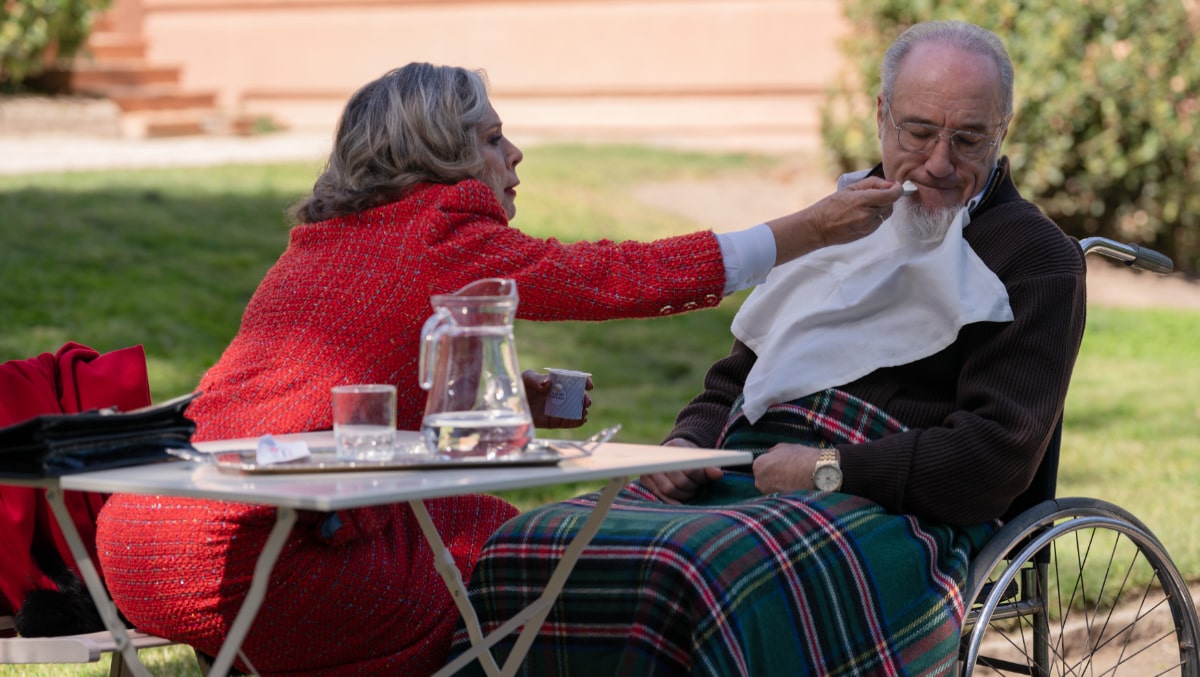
65	151
59	152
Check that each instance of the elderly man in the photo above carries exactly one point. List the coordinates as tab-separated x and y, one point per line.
898	392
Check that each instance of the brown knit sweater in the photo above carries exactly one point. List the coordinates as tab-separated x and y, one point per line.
981	412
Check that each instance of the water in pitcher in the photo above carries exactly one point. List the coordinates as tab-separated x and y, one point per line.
477	406
476	434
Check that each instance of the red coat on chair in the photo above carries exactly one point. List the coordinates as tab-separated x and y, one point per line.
35	562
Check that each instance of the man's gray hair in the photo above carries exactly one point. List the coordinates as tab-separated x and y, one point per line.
965	36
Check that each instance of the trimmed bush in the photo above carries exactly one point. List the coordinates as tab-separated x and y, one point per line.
1107	112
41	35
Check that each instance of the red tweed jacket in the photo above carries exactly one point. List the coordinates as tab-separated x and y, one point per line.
346	301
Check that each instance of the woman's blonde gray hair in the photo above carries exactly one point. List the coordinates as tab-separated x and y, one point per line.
414	124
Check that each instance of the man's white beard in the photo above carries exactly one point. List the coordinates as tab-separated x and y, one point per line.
919	223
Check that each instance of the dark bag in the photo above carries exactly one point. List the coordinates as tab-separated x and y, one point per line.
51	445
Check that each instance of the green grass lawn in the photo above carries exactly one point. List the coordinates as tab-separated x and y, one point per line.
168	259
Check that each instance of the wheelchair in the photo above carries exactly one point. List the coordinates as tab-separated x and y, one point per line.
1078	586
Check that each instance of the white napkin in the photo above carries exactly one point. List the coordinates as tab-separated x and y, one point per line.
271	450
837	314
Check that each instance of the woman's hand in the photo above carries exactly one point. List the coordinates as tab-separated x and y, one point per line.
853	212
537	389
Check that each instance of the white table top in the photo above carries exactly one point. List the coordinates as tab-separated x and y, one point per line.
341	490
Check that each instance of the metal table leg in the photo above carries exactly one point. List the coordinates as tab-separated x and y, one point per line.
285	518
108	610
533	615
443	561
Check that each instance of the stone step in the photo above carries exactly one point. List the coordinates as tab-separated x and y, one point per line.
91	116
163	129
142	99
101	78
108	46
191	122
102	23
159	124
147	97
100	117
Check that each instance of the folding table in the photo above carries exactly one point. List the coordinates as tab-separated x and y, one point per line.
330	491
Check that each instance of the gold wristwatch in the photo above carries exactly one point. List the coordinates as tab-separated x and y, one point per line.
827	474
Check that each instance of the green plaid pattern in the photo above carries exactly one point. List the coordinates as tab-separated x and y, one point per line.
806	583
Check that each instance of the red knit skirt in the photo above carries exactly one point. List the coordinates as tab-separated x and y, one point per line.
370	604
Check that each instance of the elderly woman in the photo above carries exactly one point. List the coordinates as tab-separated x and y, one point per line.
414	201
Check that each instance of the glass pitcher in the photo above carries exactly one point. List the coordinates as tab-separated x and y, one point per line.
468	363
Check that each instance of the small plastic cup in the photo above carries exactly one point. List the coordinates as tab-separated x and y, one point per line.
567	388
364	422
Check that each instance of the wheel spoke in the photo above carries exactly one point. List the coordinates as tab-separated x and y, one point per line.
1111	603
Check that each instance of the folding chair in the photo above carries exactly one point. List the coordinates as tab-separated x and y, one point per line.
85	648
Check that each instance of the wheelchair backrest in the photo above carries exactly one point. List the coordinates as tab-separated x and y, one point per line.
1045	481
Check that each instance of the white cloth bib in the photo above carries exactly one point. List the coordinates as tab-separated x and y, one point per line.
837	314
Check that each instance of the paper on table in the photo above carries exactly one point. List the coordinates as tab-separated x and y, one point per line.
271	450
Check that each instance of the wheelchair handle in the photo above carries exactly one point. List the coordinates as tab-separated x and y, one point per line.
1131	254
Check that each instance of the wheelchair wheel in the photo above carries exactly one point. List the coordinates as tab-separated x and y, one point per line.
1078	587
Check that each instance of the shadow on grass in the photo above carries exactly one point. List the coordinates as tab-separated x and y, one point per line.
109	267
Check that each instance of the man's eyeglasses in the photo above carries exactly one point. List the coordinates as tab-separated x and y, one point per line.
918	137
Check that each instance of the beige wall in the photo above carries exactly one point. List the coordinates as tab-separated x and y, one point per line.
645	69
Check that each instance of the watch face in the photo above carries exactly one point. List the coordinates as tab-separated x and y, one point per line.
827	478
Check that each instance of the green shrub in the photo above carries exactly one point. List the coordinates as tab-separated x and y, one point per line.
1106	108
36	35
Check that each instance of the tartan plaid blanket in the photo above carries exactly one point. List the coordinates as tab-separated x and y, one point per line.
806	583
821	420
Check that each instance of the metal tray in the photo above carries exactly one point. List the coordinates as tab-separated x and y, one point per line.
540	452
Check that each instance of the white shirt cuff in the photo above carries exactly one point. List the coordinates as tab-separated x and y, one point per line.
749	255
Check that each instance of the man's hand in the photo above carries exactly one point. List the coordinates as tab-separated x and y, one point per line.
785	468
681	485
